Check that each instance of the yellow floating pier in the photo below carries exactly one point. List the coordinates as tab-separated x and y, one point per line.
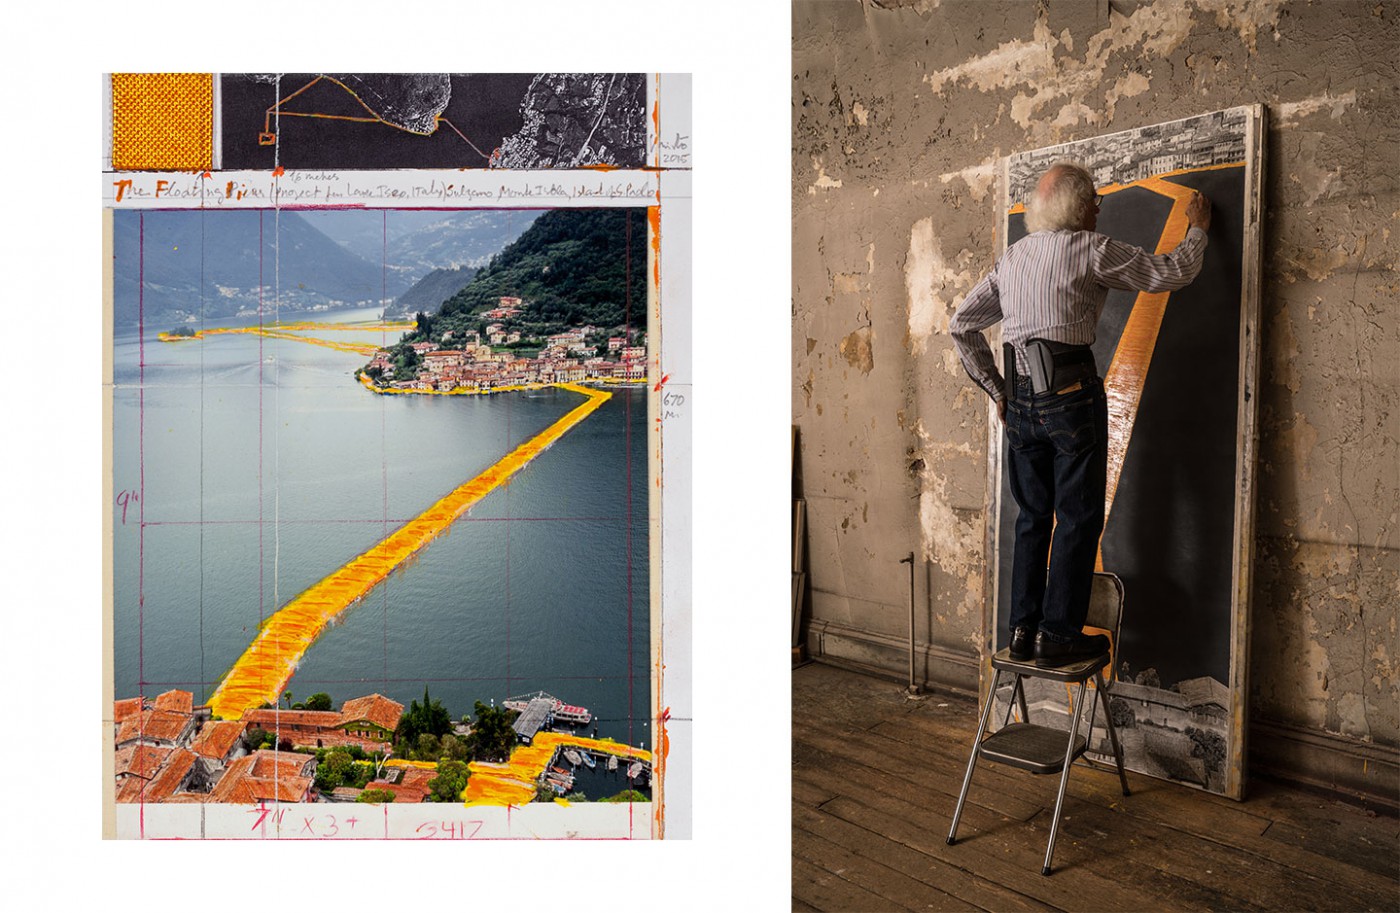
513	783
289	331
263	670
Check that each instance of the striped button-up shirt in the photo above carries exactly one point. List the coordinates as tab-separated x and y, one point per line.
1052	285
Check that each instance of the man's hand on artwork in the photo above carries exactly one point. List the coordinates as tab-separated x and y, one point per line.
1001	410
1198	211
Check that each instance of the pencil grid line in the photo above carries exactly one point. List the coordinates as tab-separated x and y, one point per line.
627	450
384	435
510	443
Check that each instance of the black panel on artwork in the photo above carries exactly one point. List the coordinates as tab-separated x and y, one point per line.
1175	507
1133	216
484	107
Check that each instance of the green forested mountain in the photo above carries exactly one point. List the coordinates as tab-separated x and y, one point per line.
432	290
572	267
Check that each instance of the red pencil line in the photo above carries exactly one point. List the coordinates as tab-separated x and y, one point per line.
141	496
261	558
627	459
383	441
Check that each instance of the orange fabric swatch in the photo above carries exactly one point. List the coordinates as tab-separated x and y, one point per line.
162	121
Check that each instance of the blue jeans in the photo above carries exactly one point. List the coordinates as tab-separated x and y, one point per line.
1058	464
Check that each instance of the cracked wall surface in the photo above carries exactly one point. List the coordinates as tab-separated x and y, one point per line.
901	110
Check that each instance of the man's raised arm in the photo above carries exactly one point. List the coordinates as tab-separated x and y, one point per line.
1124	266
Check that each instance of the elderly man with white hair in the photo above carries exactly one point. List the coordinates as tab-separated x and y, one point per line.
1048	291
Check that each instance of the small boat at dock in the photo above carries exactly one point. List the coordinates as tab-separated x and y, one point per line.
563	713
572	757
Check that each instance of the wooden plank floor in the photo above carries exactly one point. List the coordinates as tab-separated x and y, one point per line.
875	776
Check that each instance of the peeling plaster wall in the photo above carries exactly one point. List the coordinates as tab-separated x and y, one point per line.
901	111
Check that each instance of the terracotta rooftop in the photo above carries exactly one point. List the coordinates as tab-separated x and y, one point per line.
264	775
141	760
401	792
127	708
153	724
280	764
171	774
252	790
309	719
229	788
292	789
216	740
376	708
176	701
417	777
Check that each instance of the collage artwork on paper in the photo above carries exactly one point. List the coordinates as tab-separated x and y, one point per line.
396	367
1180	371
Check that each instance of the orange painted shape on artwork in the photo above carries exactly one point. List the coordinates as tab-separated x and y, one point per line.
1127	373
162	121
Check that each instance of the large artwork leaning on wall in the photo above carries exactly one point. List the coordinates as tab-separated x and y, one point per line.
1178	363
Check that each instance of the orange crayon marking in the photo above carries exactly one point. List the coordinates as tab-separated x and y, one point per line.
371	116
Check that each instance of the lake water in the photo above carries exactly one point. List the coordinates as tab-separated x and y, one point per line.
246	469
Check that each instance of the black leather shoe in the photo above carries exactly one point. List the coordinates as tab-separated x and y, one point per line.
1049	653
1022	643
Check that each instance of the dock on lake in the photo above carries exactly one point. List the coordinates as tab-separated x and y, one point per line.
513	783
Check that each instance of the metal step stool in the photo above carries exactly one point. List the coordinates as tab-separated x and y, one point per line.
1046	749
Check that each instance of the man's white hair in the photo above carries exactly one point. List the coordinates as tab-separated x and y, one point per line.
1063	201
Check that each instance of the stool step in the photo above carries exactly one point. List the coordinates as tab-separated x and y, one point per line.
1074	672
1039	749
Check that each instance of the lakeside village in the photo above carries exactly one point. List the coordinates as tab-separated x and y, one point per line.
500	353
370	750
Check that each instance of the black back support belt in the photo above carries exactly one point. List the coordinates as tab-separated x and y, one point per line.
1053	365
